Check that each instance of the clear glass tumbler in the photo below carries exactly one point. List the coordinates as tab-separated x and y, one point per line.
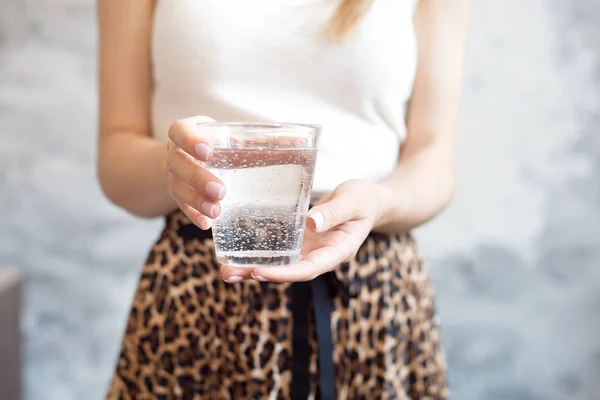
268	171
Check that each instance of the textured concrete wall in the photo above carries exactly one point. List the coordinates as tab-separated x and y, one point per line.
516	258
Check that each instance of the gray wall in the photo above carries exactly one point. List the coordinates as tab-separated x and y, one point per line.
516	258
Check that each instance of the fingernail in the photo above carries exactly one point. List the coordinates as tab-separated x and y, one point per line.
234	279
209	209
203	151
259	278
215	190
317	218
203	223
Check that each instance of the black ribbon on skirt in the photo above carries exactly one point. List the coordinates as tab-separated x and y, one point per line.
302	292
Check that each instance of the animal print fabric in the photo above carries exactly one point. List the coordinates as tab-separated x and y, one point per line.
191	336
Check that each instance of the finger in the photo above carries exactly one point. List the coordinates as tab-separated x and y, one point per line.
196	217
337	210
299	142
186	135
233	274
314	264
188	170
191	197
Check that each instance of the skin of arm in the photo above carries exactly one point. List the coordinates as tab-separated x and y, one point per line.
131	164
424	181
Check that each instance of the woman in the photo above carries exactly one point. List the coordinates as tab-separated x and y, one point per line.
198	330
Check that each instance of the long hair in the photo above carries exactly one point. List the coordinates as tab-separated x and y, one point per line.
346	16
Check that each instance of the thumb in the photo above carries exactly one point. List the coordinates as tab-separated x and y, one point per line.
331	213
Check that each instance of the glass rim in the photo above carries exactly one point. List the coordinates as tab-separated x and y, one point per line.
263	125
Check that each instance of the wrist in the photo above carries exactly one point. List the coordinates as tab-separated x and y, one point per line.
392	204
161	151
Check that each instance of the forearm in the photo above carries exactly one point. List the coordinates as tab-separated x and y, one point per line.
133	174
420	187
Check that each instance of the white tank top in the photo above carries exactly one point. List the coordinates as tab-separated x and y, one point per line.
269	61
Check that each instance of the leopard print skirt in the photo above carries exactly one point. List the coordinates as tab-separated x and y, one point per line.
190	335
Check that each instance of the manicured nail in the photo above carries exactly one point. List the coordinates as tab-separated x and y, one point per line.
317	218
259	278
215	190
234	279
209	209
203	223
203	151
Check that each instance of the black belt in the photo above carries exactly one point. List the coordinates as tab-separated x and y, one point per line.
301	296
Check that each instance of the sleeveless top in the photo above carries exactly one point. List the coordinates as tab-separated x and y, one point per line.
270	61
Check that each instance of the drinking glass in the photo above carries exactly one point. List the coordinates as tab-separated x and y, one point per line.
268	171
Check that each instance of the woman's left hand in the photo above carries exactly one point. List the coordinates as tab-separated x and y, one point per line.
336	228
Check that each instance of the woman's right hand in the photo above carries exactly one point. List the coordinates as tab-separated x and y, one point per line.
196	191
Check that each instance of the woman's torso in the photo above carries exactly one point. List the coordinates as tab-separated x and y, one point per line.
269	60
